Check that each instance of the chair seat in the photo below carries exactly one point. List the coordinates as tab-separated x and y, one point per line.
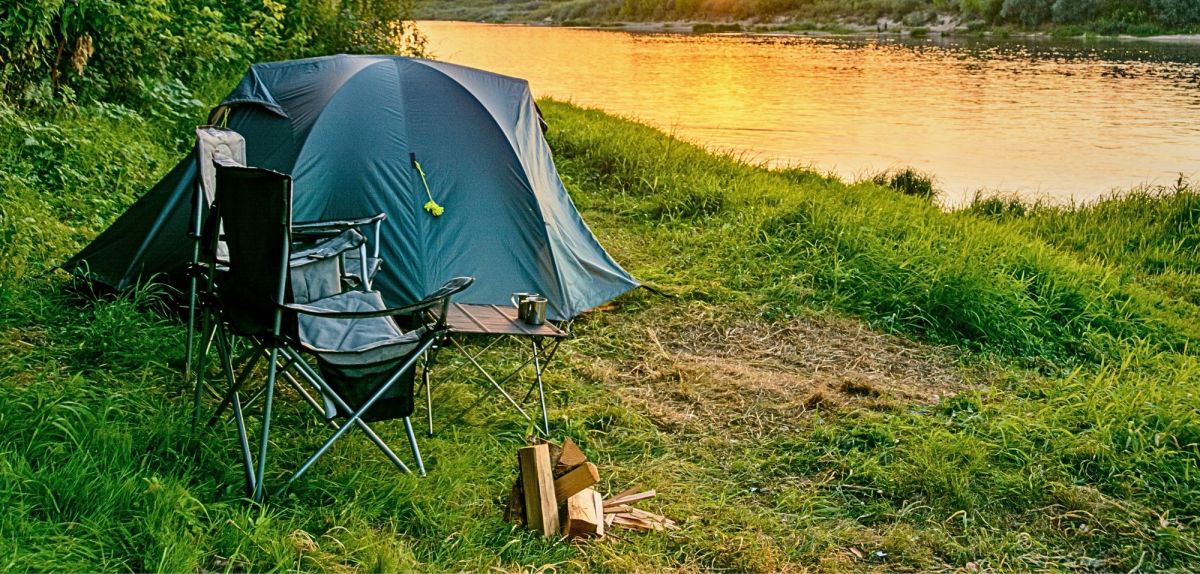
351	342
357	356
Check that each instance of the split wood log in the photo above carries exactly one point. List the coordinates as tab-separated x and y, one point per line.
637	523
514	512
582	519
569	458
573	482
537	480
598	505
555	452
619	511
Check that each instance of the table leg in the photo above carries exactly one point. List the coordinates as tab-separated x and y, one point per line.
487	376
537	370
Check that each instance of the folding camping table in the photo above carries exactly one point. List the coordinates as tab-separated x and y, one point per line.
499	323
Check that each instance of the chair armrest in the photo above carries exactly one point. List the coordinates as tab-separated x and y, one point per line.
439	298
306	228
344	241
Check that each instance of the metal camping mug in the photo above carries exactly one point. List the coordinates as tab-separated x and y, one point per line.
518	301
535	312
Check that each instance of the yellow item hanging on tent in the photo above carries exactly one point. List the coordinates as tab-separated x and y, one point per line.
431	206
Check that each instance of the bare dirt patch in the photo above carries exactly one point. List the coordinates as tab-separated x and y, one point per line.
754	378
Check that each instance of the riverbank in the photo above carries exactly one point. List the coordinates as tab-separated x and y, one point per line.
1162	21
885	29
848	379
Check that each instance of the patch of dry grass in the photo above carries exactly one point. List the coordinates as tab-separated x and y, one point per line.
752	378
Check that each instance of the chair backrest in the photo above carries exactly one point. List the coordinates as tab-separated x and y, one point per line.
213	144
254	208
216	143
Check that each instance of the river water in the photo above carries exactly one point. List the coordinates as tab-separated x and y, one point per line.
1053	120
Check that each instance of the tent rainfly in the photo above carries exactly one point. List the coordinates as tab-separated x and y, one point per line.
351	130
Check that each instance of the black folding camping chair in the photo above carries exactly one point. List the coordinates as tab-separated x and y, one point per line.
292	305
222	145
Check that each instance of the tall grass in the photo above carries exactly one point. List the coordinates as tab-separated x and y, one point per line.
1151	232
1080	454
898	261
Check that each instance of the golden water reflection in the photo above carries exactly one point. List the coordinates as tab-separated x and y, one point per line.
1049	120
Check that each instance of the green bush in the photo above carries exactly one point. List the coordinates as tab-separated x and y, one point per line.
1074	11
142	53
1177	13
987	10
1029	13
117	51
908	180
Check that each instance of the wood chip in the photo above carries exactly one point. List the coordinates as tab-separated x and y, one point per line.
629	498
625	492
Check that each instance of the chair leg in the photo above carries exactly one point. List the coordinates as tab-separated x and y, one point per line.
191	332
244	440
192	295
259	486
387	451
225	355
201	367
355	418
247	365
412	441
428	394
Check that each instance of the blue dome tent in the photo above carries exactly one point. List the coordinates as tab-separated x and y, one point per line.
351	131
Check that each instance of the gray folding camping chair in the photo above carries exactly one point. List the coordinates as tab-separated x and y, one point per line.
212	143
221	145
292	305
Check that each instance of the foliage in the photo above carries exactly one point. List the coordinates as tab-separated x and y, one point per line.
1074	11
319	27
908	181
1096	16
1184	14
148	52
1027	12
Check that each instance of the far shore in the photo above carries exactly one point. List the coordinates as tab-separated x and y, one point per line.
885	29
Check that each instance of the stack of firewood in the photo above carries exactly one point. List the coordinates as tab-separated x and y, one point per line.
553	495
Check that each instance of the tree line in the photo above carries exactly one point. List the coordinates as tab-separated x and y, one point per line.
1105	16
148	53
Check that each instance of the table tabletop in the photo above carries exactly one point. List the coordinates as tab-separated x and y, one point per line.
495	320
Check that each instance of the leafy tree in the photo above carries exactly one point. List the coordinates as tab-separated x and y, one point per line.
987	10
1179	14
145	52
1029	13
1074	11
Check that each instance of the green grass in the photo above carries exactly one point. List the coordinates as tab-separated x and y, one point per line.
1164	252
1075	444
